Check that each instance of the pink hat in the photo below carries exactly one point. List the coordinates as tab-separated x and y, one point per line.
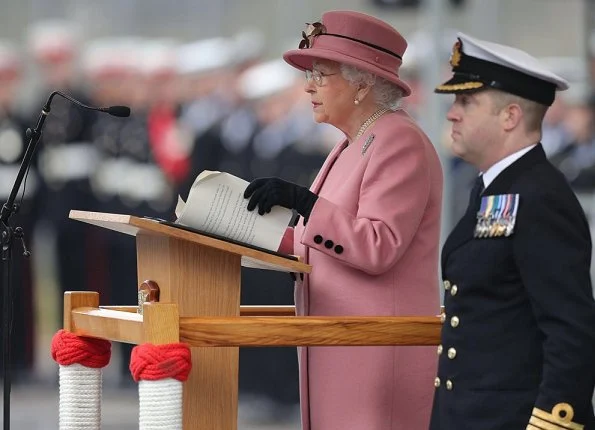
352	38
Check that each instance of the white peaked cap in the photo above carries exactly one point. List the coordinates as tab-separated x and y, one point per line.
113	55
512	58
51	36
204	56
266	79
158	56
10	58
248	45
479	64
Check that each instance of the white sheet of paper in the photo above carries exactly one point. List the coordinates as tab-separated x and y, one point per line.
216	204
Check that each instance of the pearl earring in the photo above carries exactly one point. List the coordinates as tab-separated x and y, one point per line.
356	102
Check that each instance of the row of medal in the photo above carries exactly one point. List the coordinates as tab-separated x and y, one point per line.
497	215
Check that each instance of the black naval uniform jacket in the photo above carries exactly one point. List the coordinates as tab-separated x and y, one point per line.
518	335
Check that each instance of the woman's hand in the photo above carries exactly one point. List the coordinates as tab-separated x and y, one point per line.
268	192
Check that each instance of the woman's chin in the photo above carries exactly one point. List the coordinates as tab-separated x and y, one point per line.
319	117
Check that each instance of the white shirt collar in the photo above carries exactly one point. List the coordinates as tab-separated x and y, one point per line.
493	172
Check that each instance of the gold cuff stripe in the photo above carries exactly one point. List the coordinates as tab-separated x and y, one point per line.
460	87
562	424
546	425
532	427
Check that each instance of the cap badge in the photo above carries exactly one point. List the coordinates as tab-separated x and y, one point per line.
455	57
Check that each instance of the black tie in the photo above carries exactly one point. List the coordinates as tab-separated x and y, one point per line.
476	191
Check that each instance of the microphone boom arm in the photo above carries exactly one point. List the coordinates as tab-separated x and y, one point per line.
9	207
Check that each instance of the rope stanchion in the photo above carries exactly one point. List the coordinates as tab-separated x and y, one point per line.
160	371
81	360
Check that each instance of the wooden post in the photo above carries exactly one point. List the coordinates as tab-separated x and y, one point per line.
202	281
77	299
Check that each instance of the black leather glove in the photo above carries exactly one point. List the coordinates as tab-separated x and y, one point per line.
268	192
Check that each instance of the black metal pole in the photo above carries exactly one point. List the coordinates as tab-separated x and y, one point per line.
6	318
7	241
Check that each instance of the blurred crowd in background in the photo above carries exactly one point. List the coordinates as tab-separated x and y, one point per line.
217	104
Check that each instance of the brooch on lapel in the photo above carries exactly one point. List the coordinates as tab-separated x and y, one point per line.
367	143
497	215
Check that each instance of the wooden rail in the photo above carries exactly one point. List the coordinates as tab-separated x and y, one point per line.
255	311
310	331
256	331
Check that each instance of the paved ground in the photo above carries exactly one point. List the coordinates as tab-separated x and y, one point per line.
35	407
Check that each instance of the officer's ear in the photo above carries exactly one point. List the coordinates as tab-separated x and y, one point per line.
511	116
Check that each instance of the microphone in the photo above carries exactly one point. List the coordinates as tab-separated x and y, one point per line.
119	111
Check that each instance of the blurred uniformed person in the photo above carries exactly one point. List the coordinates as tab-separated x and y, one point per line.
66	158
576	160
203	68
268	381
169	144
128	179
13	145
236	131
518	339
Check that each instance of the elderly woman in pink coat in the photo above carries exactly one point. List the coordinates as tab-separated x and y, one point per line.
370	226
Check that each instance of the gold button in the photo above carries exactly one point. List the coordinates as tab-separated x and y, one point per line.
452	353
440	348
454	290
437	382
448	384
442	318
446	285
454	322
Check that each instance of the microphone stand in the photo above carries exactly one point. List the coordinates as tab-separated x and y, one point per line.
8	235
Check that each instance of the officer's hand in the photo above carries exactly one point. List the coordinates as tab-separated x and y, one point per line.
268	192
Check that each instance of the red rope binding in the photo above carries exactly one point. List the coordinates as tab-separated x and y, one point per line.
154	362
68	348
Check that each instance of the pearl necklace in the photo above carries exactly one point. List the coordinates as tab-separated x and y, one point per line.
367	123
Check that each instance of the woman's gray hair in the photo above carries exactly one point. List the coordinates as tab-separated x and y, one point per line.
386	94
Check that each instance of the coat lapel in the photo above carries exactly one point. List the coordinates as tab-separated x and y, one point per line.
326	167
463	231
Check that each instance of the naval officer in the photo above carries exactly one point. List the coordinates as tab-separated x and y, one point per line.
518	338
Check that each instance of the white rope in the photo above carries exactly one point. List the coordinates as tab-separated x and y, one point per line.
160	404
80	398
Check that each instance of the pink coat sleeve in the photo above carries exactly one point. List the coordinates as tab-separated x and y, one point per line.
392	200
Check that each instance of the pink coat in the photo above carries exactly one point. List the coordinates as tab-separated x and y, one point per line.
372	240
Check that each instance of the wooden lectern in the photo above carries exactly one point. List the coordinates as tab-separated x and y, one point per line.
201	275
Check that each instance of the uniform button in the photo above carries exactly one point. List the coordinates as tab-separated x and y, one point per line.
452	353
453	291
439	350
446	285
442	318
437	382
454	321
329	244
318	239
448	384
339	249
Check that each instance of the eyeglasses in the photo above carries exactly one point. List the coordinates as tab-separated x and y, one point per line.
317	76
